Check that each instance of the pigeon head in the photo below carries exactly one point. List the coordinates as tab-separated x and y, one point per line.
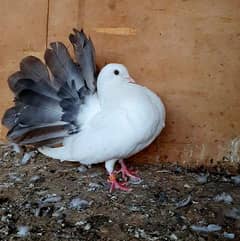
112	83
113	74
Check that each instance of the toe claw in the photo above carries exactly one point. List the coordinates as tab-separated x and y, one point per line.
128	173
117	185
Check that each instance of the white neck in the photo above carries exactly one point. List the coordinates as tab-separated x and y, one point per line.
111	93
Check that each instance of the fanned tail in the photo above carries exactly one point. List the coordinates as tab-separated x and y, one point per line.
48	98
85	56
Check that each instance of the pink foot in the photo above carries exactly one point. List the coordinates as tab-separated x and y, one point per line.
117	185
127	173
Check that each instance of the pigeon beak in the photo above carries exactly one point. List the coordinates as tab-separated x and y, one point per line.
130	80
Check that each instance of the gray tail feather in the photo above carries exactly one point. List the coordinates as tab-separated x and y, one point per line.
30	135
30	68
47	105
34	69
85	56
9	117
62	66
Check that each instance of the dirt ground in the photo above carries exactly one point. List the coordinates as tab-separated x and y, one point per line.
48	200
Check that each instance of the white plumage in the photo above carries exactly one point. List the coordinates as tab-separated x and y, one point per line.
96	118
120	120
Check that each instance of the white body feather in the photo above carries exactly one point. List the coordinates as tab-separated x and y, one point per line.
113	126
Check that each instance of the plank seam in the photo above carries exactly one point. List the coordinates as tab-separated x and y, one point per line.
47	23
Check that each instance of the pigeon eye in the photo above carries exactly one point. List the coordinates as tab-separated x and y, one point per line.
116	72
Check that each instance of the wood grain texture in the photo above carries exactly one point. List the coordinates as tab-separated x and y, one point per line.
23	32
63	17
186	51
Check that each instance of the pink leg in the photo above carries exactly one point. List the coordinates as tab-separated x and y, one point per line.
127	173
117	185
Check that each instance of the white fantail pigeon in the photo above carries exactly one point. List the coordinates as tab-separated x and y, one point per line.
69	112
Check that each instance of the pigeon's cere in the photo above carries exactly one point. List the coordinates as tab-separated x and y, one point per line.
68	111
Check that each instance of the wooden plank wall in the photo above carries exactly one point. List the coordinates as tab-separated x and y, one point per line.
23	32
187	51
